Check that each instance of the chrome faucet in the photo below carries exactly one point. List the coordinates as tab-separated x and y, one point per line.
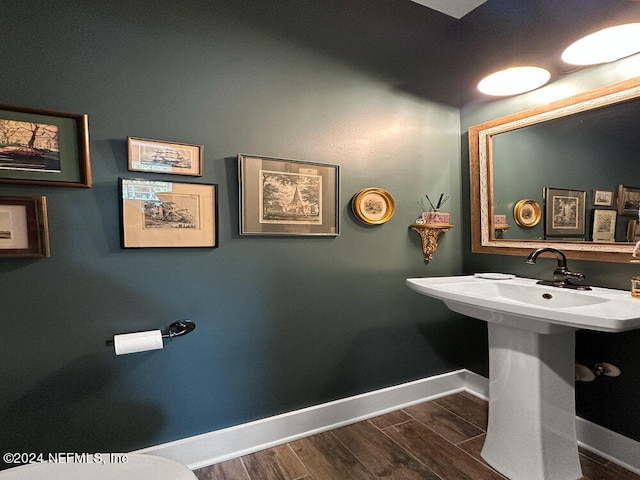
562	275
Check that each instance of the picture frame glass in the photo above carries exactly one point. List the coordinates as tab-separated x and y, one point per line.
287	197
168	214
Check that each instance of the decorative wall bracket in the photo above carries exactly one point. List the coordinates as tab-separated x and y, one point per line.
429	235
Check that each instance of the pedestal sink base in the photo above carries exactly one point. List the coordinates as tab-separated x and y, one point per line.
532	420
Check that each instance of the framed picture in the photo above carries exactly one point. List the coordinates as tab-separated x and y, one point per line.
43	147
628	200
604	225
602	198
527	213
158	156
564	212
633	231
373	206
288	197
168	214
24	228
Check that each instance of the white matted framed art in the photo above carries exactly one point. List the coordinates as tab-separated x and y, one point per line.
604	225
159	156
288	197
168	214
24	227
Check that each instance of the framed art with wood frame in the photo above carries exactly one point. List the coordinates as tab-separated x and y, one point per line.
168	214
564	212
24	228
628	200
288	197
158	156
44	147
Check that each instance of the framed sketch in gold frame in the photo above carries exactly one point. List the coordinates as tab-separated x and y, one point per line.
288	197
24	228
44	147
158	156
168	214
373	206
527	213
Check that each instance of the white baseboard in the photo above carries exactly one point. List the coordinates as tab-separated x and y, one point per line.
609	444
232	442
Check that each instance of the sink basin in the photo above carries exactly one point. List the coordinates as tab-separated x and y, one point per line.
531	433
522	303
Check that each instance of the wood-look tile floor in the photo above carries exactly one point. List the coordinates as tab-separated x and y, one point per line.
436	440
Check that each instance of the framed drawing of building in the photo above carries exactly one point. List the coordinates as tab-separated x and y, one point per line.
288	197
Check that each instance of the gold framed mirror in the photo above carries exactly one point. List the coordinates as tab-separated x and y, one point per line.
485	168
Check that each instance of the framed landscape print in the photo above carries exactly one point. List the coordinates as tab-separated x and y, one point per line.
158	156
287	197
24	229
43	147
168	214
564	212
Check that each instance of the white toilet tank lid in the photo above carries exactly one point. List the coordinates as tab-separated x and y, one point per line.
126	466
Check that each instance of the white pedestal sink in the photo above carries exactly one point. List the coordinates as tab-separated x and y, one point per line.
532	430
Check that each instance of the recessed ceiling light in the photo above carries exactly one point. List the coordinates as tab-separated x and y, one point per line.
513	81
604	46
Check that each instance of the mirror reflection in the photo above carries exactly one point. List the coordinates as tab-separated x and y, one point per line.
565	175
591	152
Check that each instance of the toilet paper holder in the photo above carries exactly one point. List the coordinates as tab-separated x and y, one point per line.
176	329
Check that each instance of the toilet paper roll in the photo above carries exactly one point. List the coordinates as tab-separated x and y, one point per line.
137	342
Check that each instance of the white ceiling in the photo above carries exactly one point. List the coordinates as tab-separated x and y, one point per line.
453	8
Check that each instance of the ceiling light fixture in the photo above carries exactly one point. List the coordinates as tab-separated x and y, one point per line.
604	46
513	81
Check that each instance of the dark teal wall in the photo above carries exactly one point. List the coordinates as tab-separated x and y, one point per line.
282	323
610	402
